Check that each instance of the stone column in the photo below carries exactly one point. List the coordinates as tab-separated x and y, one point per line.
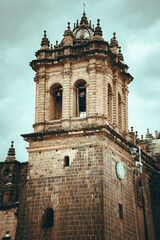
125	109
48	103
92	88
105	94
73	102
87	92
40	80
99	91
47	100
36	99
66	108
41	98
115	103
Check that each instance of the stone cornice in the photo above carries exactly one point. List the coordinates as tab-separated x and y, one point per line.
105	130
94	48
7	206
14	162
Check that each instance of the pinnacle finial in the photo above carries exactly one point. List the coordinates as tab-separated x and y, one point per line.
114	42
148	134
120	54
11	153
98	30
84	20
68	32
45	43
68	25
77	24
84	9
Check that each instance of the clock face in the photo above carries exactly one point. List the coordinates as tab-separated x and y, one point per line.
83	33
120	170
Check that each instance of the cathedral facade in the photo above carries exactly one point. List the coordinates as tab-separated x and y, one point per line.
82	180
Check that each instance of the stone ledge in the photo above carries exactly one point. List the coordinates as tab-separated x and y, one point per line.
106	130
5	206
14	162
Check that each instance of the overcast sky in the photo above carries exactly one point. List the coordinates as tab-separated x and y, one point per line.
22	22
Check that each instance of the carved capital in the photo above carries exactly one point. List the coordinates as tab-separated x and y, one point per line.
67	73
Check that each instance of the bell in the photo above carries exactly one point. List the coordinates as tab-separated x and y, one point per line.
58	94
82	94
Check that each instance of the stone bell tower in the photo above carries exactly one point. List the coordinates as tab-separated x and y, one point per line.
81	82
80	183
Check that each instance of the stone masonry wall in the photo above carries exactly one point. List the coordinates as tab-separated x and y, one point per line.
15	172
125	192
155	203
8	222
117	192
84	195
75	193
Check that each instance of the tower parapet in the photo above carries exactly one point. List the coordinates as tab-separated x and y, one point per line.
149	144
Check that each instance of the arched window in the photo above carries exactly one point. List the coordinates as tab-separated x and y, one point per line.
119	111
80	88
66	161
55	106
110	102
48	218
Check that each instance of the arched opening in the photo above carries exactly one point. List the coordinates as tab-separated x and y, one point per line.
48	218
110	95
80	88
119	111
55	106
66	161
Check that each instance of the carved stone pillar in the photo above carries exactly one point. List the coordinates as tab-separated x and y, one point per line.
105	94
125	108
41	98
115	103
36	99
99	91
92	90
66	108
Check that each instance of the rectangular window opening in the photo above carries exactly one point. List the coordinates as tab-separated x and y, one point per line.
81	101
120	211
